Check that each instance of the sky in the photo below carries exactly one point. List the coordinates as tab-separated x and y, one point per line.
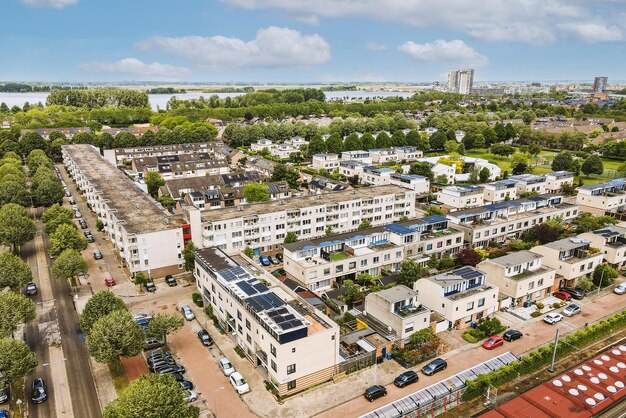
311	40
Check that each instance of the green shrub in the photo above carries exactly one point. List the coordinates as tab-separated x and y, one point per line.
467	336
240	351
139	278
99	225
540	305
197	299
556	305
535	314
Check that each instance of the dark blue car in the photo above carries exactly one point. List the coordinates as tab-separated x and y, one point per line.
264	260
434	366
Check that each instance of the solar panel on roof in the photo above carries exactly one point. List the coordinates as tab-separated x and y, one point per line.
247	289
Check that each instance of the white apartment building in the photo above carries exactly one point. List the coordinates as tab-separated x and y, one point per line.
461	296
399	309
451	171
520	275
611	240
383	155
376	176
294	345
119	156
557	179
351	169
529	183
461	197
603	198
282	150
408	153
444	170
466	81
362	156
265	225
571	258
145	237
329	162
507	220
319	263
500	190
419	184
262	144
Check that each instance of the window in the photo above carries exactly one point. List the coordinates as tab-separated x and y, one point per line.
293	350
291	368
239	315
470	306
326	272
249	338
481	302
273	350
539	282
274	366
291	385
248	324
352	265
531	285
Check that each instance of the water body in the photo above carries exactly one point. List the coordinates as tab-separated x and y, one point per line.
159	101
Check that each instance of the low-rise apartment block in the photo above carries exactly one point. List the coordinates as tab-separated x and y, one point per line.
383	155
319	263
557	179
399	309
408	153
180	166
45	132
461	296
525	183
461	197
120	156
611	240
362	156
293	345
500	190
146	238
265	225
571	259
520	276
603	198
329	162
500	221
376	176
419	184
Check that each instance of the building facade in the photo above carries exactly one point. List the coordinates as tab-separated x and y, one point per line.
611	240
603	198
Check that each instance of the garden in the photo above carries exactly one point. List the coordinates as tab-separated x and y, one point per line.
422	345
483	329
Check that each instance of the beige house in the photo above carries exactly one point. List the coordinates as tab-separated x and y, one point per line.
399	309
460	296
602	198
499	191
529	183
519	275
571	258
557	179
328	162
461	197
611	240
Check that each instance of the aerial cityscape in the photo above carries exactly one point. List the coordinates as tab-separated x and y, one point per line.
288	208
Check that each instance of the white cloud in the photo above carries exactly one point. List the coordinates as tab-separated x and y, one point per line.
309	20
273	47
377	47
529	21
593	32
55	4
136	69
444	52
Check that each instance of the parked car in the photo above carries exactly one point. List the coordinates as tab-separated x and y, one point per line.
434	366
374	392
512	335
187	312
563	296
278	273
72	200
77	214
31	289
153	343
109	281
170	280
239	383
150	286
493	342
97	255
186	384
144	316
67	192
205	338
226	367
178	377
620	289
571	310
83	224
265	261
273	260
38	392
279	257
552	318
191	396
89	236
405	379
4	413
4	392
574	292
169	369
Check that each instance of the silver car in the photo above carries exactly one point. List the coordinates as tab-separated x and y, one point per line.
571	310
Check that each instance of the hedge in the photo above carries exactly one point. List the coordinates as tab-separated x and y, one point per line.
542	356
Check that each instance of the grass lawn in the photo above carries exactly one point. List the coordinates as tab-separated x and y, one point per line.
120	381
339	256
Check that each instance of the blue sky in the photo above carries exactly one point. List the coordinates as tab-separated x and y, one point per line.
311	40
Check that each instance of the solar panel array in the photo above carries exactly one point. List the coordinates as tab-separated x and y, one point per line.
439	390
264	302
233	273
284	319
467	272
167	159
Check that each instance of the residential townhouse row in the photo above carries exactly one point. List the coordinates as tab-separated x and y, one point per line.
603	198
362	173
378	156
120	156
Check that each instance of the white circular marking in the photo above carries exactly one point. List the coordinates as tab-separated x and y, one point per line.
599	396
581	387
595	380
598	362
590	401
622	347
611	389
573	392
557	383
616	352
602	376
566	378
605	357
614	369
621	365
578	372
586	368
619	384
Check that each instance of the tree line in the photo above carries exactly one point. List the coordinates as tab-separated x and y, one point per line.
98	98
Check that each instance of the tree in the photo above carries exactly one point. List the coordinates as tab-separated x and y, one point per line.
604	275
438	140
434	210
153	181
365	224
329	230
383	140
55	216
249	252
255	192
410	272
290	238
422	169
586	222
69	264
446	262
562	162
47	192
16	359
282	173
593	165
351	294
585	284
334	144
12	191
115	335
502	149
433	261
15	309
467	257
316	145
190	256
484	175
16	227
166	201
352	142
365	279
163	324
14	272
151	396
451	146
66	236
544	233
98	306
441	179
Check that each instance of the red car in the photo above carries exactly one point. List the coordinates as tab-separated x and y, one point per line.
493	342
109	281
562	295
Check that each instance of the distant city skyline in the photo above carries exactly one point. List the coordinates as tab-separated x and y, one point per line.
320	41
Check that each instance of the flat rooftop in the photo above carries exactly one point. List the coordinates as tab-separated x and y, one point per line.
256	209
516	258
136	209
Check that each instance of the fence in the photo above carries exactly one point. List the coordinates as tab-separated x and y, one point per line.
356	362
